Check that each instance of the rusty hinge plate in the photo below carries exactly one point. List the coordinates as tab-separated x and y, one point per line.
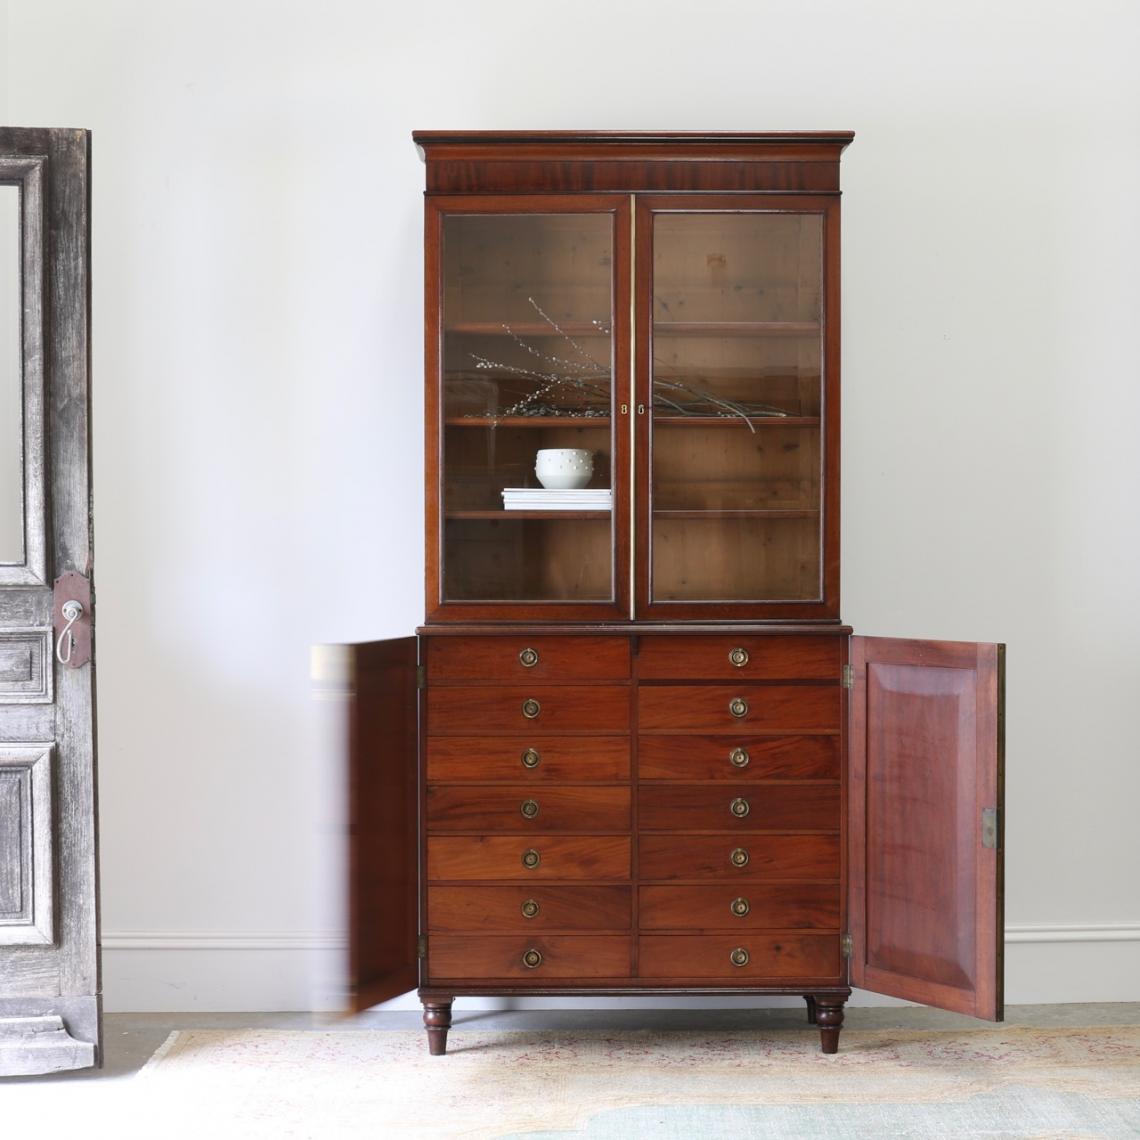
990	828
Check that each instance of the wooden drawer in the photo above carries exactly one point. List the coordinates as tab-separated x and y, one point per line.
535	759
501	658
742	906
683	857
760	657
501	857
756	807
765	956
563	956
738	758
526	809
500	910
575	709
706	708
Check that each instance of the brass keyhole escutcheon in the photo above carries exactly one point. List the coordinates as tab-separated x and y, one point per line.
738	706
739	758
529	808
531	758
740	907
739	956
739	657
531	859
739	857
529	658
739	807
530	908
531	708
532	959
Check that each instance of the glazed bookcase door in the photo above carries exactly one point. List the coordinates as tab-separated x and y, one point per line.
381	727
528	342
737	319
925	802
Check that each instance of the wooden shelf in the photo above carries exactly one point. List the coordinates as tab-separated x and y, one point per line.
528	421
525	328
522	516
663	419
759	513
736	328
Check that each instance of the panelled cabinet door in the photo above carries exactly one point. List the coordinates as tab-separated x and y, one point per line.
925	801
382	808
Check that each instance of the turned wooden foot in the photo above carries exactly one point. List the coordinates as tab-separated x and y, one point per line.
437	1021
829	1018
810	1008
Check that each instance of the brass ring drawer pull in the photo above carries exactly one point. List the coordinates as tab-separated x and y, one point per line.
531	708
739	807
532	959
738	758
739	956
740	907
739	857
531	758
529	808
529	658
739	657
738	706
531	859
530	908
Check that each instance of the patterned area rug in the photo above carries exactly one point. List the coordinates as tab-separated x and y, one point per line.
326	1085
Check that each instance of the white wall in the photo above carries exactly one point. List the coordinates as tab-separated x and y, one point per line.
258	393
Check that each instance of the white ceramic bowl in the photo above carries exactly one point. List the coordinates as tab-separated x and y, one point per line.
564	468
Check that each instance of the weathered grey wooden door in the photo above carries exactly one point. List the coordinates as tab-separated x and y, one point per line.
49	963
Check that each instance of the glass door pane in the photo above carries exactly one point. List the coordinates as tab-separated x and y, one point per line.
736	375
527	407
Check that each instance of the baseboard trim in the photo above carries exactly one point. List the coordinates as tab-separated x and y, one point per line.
302	940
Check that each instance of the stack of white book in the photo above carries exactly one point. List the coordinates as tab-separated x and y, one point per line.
543	499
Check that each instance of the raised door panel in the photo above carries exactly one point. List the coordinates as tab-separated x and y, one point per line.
925	802
382	806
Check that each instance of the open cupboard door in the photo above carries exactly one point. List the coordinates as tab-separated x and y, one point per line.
382	820
925	786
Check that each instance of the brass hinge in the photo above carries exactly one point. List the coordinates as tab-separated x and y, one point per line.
421	946
990	828
847	946
847	680
421	677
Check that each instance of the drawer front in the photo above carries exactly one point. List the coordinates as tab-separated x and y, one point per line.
741	657
503	910
525	709
740	907
737	758
745	958
534	759
708	708
514	807
710	857
501	857
526	657
756	807
562	956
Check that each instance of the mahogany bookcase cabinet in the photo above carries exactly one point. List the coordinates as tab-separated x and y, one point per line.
633	750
